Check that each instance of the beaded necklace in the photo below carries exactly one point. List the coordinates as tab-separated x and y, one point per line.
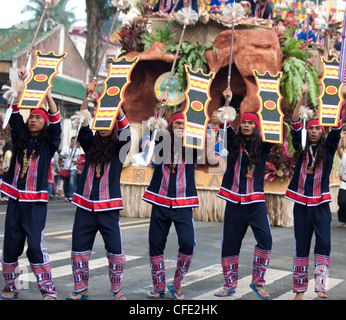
98	169
174	162
310	170
26	162
250	169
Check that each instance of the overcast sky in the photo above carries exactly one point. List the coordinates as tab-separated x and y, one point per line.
10	13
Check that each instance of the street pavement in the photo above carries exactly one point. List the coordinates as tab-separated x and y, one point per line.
205	274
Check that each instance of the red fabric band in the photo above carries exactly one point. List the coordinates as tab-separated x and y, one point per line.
177	116
42	113
314	123
250	116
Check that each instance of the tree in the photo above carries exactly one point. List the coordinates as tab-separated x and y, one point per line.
58	13
98	11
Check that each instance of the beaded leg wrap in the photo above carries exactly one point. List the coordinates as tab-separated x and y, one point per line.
300	274
230	271
10	273
260	265
80	270
116	270
183	265
157	267
44	279
321	272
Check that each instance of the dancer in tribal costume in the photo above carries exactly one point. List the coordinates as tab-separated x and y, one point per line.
309	189
242	188
34	144
98	200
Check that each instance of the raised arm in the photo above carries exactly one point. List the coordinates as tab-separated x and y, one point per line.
90	88
52	108
295	115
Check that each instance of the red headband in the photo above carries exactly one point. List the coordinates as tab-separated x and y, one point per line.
250	116
177	116
42	113
314	123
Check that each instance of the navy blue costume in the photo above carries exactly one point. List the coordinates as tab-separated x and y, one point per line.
245	207
311	212
27	207
173	194
98	199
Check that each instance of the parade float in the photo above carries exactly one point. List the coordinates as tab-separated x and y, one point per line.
242	53
255	46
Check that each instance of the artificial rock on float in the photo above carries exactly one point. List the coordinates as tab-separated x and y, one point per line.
253	49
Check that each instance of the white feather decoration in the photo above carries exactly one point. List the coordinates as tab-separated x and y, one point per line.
50	3
309	6
83	117
306	113
187	16
233	11
122	3
14	91
226	114
157	123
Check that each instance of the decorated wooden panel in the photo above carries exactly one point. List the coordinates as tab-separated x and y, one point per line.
40	79
330	99
197	96
112	96
270	114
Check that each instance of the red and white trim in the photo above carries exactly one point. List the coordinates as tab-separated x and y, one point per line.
97	205
306	200
297	125
122	123
54	117
163	201
235	197
23	195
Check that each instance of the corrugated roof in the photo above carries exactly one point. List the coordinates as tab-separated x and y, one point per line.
14	40
68	87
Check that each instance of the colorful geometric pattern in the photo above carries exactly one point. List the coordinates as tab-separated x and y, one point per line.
197	96
157	267
330	98
183	265
116	263
230	271
40	80
270	114
113	94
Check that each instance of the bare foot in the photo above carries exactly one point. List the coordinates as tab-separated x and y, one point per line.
9	295
179	290
154	294
260	291
299	296
322	295
119	295
78	295
223	293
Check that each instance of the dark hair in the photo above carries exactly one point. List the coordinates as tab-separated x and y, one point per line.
21	143
174	143
97	152
255	149
300	154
